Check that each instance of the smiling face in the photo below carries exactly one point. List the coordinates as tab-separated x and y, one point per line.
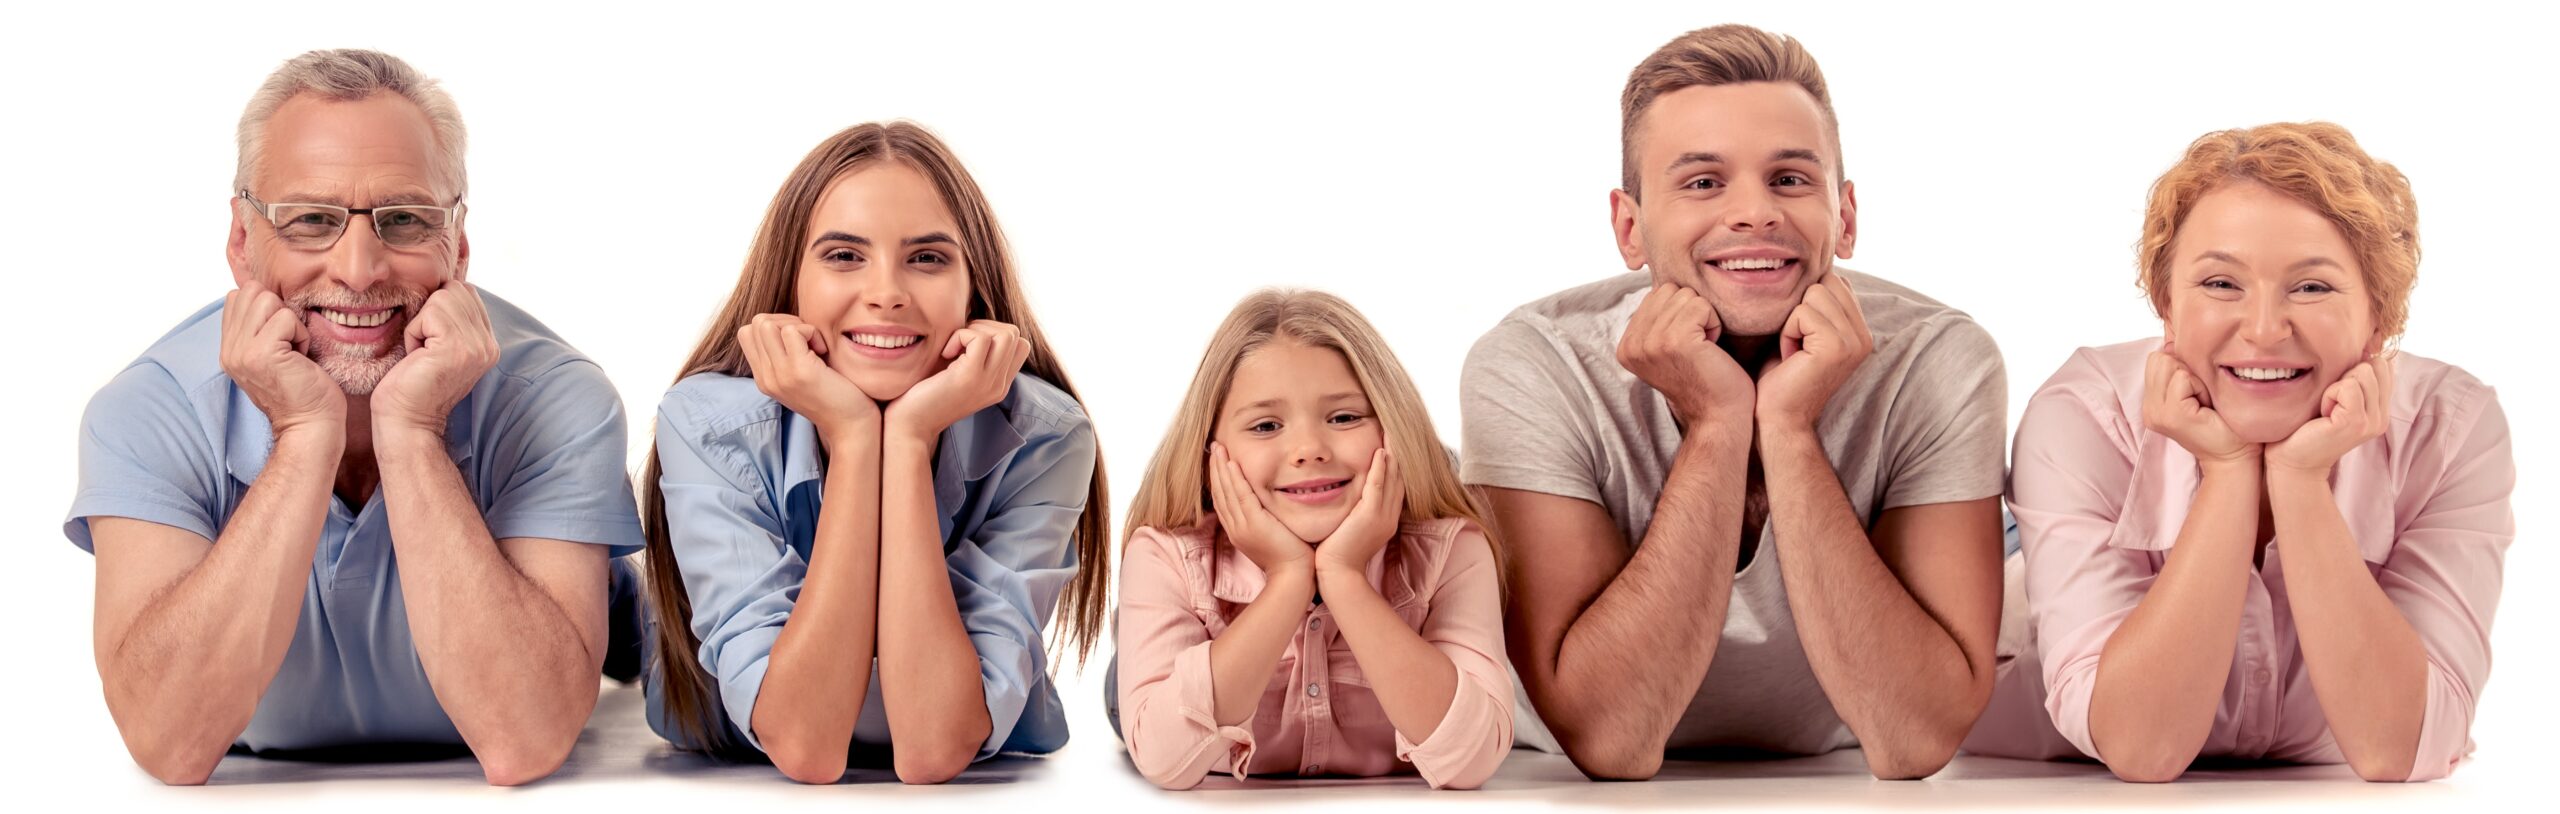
1299	425
2268	307
1738	200
357	296
883	277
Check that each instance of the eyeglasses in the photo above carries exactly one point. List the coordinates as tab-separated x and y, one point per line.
316	227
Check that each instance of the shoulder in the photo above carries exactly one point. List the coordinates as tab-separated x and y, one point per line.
1573	327
2434	403
1941	338
530	351
705	408
1037	409
1432	546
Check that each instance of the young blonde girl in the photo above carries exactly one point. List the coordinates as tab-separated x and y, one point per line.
1307	589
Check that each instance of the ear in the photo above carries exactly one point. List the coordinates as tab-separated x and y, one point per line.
461	248
1623	223
236	247
1848	219
2373	346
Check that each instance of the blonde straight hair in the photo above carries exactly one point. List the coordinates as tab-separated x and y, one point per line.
767	286
1175	492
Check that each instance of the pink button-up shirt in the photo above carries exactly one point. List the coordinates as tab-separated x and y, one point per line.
2099	501
1179	590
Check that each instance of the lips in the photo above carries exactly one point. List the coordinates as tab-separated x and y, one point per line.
354	326
884	341
1318	490
1758	267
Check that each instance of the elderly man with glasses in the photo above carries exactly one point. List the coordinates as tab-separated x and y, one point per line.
358	502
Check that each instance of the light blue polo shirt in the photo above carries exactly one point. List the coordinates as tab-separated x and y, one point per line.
540	445
743	481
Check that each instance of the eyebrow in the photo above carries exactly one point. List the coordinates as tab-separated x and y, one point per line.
936	237
1789	154
1346	395
858	240
2298	265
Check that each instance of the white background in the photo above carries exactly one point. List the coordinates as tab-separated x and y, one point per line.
1437	166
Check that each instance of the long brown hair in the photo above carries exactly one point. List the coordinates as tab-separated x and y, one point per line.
1175	492
767	287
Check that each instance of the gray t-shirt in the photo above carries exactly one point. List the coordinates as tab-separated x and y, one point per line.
1548	409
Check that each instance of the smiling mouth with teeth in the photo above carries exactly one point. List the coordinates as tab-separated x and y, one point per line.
348	320
1313	490
2268	374
884	340
1753	263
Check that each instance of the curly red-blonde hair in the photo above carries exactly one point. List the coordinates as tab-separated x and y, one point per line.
2317	163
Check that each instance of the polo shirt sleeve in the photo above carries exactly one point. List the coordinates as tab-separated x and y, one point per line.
560	475
145	455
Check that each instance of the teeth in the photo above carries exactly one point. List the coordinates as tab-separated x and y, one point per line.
883	341
356	320
1314	489
1748	263
2268	374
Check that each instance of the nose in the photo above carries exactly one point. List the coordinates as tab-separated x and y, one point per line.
1751	208
2270	322
1306	448
883	290
359	260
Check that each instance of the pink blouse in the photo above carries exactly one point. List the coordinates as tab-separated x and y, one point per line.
2099	501
1179	590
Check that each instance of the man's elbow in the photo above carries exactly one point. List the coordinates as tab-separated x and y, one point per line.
1612	756
1911	758
931	764
176	764
517	765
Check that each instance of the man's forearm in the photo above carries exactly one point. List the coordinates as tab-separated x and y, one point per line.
929	680
1895	674
1633	660
185	677
517	677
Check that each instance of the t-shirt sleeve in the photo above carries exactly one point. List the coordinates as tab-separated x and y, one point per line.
560	472
1950	415
144	455
1527	418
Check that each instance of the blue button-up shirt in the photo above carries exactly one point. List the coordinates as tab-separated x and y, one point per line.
539	443
742	480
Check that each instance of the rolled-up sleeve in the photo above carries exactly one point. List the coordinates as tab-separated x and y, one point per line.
1006	576
2065	486
739	572
2445	575
1168	707
1466	625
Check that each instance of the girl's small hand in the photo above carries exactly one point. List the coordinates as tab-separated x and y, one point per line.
1372	522
1249	525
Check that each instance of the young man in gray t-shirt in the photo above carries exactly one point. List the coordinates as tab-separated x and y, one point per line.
1810	457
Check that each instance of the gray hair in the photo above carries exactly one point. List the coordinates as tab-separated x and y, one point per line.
351	74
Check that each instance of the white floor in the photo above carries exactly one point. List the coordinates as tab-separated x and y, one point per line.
620	766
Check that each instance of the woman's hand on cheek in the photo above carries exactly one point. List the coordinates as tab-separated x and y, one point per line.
1249	525
1371	524
983	360
785	356
2174	405
2355	409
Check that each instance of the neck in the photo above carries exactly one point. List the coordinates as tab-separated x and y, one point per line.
1751	352
358	474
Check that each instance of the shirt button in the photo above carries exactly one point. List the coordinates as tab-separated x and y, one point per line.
2265	677
1314	690
1314	623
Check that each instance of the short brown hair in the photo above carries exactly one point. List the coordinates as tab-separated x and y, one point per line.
1719	55
2317	163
